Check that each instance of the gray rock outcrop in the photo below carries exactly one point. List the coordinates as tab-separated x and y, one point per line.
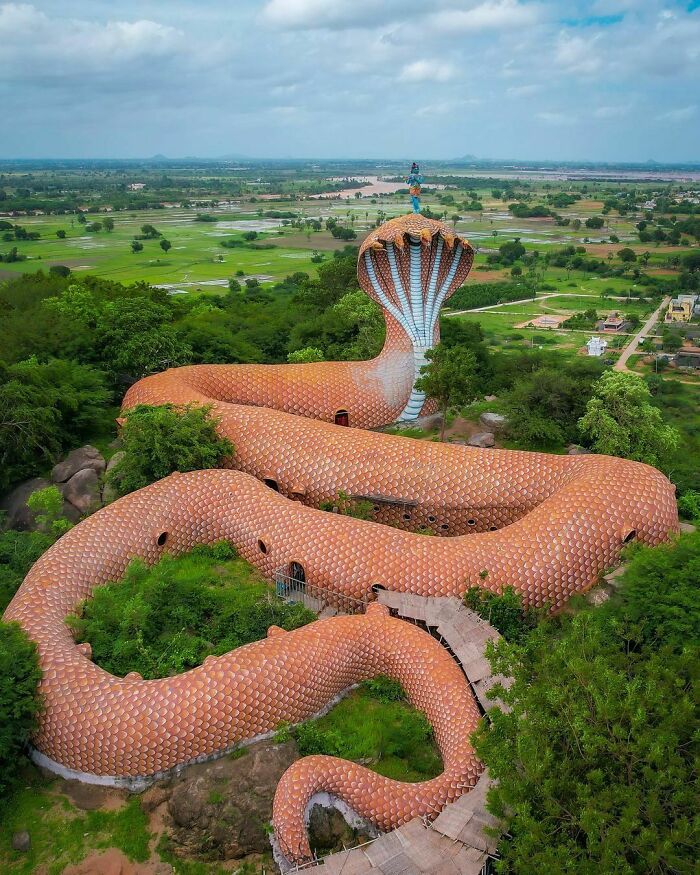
19	516
483	439
575	450
83	490
493	421
84	458
21	841
219	809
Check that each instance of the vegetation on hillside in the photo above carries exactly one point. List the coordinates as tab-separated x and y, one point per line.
595	762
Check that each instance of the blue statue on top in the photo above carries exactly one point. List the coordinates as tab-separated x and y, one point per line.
414	180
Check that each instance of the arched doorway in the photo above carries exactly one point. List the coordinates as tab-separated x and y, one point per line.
296	572
341	417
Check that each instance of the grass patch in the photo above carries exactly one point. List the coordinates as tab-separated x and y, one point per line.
377	726
62	834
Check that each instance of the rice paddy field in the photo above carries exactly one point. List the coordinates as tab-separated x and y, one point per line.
198	262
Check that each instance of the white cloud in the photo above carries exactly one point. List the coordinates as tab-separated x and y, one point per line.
320	14
606	112
558	119
428	71
34	42
522	90
490	15
446	107
682	114
577	55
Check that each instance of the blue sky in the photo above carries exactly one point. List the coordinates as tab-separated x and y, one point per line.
601	80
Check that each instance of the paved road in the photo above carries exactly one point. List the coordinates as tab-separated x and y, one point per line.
621	363
530	300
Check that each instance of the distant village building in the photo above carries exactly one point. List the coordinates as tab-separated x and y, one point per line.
613	322
688	357
683	308
136	186
596	346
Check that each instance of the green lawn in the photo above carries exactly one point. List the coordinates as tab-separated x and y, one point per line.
62	834
376	725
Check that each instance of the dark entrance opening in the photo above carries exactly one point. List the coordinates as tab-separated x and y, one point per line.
296	572
268	481
341	417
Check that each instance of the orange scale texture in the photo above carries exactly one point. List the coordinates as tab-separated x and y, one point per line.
546	525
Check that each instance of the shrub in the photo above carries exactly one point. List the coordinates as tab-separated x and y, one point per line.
160	440
166	619
19	704
504	612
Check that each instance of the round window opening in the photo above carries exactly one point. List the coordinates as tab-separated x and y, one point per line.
471	522
431	519
262	546
444	527
162	538
407	516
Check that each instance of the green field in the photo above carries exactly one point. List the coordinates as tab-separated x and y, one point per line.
197	261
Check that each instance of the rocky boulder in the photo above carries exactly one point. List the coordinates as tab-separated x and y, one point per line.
220	809
21	841
83	490
109	493
329	832
574	450
19	516
483	439
84	458
493	421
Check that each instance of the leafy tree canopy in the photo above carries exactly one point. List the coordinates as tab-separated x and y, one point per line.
621	421
449	378
159	440
19	704
595	761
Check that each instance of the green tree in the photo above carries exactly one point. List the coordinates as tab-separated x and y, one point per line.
19	703
620	420
165	245
671	341
108	224
307	354
159	440
61	234
44	409
544	406
689	505
81	218
627	255
135	337
448	378
595	222
136	246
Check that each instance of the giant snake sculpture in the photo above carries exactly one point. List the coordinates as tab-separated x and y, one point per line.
546	525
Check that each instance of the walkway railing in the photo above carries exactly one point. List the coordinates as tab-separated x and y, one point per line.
316	598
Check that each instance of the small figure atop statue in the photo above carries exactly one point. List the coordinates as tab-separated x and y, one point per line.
414	180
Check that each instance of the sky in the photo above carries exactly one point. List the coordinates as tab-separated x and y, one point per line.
594	80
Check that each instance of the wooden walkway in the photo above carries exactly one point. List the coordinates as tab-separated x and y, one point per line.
458	841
